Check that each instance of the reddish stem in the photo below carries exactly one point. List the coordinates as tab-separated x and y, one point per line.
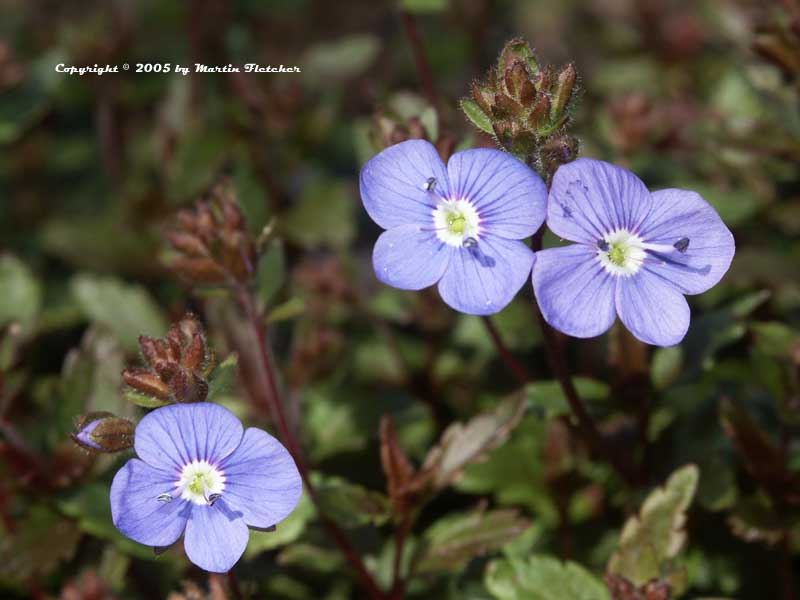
420	58
274	403
513	365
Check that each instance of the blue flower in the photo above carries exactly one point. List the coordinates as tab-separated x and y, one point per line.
459	225
200	474
637	254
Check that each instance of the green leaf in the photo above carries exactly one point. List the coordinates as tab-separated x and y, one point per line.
310	557
453	541
514	472
339	60
286	532
542	578
40	542
651	540
352	505
127	310
89	382
775	339
222	380
271	273
144	400
323	216
665	366
330	423
464	443
293	307
476	116
20	293
424	6
547	397
90	507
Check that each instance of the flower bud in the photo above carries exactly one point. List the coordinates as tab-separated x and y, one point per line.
483	96
104	432
564	91
526	106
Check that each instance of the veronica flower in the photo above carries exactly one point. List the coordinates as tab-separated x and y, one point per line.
458	225
637	254
200	474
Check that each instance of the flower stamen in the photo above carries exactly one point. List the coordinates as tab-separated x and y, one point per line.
201	483
456	221
621	252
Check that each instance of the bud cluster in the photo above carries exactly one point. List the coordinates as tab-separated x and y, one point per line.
213	244
103	432
527	107
177	365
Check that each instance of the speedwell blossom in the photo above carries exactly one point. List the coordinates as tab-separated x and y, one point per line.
458	225
200	474
637	254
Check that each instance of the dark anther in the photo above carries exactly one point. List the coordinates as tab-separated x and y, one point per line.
165	497
682	244
213	498
603	245
430	184
470	242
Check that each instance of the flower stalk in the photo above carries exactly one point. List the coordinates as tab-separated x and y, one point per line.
221	242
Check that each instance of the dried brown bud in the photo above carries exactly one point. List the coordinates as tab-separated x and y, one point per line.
199	270
176	364
515	76
150	349
146	382
187	243
483	96
213	243
540	113
195	354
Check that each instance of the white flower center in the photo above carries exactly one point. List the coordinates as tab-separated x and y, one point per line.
456	221
201	482
621	252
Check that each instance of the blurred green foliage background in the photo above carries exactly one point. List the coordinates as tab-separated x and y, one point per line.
701	94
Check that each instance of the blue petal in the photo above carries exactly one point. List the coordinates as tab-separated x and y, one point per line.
136	510
589	198
173	436
410	258
482	280
680	214
574	292
85	434
511	199
216	537
652	309
262	481
393	184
